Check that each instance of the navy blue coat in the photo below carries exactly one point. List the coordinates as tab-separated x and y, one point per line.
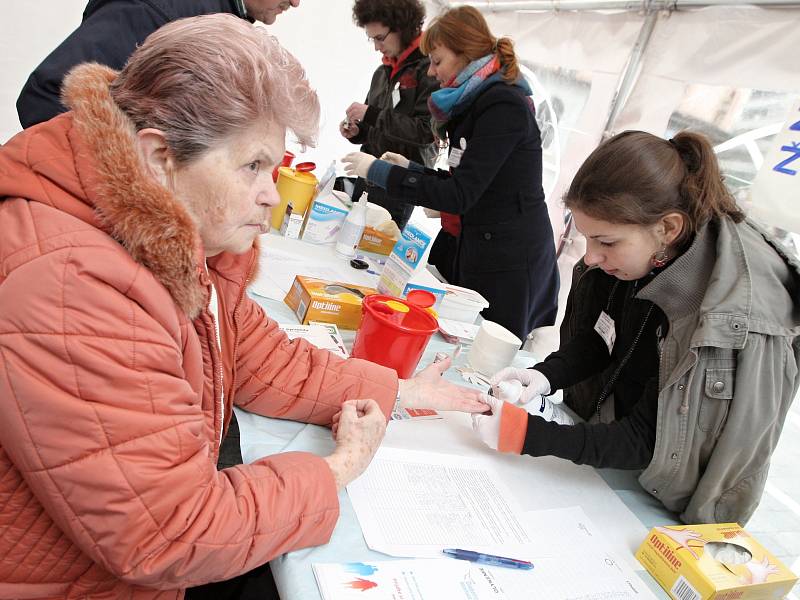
108	34
506	249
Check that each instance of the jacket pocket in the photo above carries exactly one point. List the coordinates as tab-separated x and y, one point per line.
494	248
719	387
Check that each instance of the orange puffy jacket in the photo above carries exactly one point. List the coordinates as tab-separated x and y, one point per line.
110	380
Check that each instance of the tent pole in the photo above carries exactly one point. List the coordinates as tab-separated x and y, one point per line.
632	69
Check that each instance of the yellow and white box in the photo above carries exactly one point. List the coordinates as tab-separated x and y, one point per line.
314	299
718	561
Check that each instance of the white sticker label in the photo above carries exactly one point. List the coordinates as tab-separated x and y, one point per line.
455	158
456	154
396	96
605	328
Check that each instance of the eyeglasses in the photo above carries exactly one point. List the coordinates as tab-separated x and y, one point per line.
379	39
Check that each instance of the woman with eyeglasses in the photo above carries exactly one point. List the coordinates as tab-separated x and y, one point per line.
492	202
394	117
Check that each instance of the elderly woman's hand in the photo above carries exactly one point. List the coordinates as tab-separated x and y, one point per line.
427	389
358	164
358	431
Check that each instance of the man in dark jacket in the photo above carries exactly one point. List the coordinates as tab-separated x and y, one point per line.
110	31
395	116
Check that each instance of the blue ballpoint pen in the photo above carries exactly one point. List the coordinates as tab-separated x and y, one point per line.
488	559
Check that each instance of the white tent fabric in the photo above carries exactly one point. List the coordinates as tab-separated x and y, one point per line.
728	70
779	177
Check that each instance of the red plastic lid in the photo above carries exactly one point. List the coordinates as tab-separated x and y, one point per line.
305	167
421	298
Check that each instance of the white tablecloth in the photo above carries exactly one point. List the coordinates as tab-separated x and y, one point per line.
538	483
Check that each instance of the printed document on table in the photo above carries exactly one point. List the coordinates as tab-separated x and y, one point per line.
322	335
573	560
447	579
412	503
419	579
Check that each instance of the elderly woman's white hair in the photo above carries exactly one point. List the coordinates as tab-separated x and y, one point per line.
202	79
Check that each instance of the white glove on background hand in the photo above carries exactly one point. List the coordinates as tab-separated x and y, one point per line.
358	163
395	159
488	426
534	382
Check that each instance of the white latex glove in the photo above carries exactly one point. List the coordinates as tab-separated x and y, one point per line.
534	384
395	159
488	426
541	406
358	163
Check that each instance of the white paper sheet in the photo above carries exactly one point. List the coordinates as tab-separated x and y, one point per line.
572	559
279	268
536	483
322	335
420	579
571	562
412	503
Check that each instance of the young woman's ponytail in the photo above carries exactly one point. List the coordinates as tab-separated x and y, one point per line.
464	30
702	187
637	178
508	59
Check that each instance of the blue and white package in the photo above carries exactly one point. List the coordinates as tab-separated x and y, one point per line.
323	221
407	256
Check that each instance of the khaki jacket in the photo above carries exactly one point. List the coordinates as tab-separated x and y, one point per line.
111	379
728	369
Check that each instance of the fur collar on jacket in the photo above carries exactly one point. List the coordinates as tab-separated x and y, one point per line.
139	213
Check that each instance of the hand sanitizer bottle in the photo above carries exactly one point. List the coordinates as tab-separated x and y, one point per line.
353	228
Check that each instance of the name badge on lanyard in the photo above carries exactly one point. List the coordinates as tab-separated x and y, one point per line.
396	95
456	155
606	329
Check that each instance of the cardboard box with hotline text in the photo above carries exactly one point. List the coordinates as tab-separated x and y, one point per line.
314	299
718	561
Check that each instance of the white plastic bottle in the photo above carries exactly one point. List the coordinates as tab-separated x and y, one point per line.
353	228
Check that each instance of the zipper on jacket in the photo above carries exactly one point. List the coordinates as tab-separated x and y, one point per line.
220	399
242	292
218	342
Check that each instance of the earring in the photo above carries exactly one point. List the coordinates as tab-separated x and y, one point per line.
660	258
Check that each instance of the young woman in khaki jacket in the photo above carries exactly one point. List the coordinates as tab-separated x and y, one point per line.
680	343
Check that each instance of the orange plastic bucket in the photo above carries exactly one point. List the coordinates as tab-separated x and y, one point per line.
393	333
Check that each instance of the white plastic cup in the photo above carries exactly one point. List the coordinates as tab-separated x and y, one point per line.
494	348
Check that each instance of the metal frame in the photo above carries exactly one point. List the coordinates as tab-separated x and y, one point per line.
637	5
630	75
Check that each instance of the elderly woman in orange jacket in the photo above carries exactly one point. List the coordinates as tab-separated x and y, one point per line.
126	334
